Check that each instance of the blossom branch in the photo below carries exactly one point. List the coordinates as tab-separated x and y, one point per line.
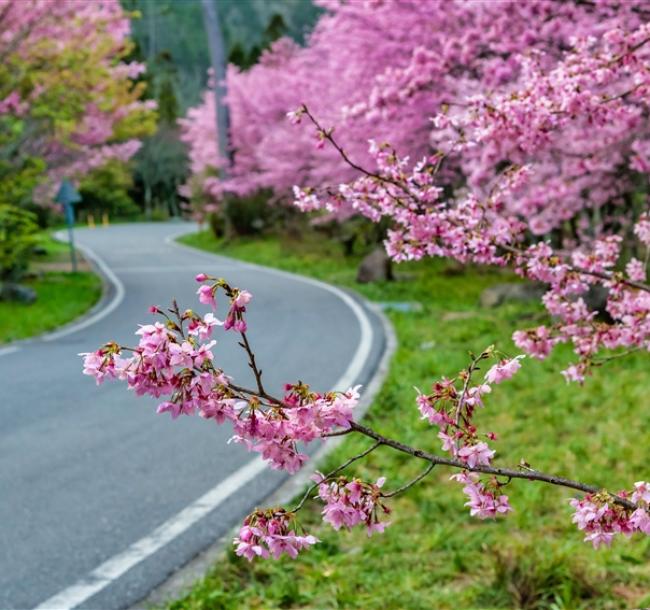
179	363
328	135
528	474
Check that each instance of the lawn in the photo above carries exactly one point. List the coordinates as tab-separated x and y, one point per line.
62	296
434	556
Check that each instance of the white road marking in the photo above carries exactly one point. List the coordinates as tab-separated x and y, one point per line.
112	569
118	297
109	571
195	268
5	351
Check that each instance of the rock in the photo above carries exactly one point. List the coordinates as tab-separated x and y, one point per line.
595	298
17	293
375	267
506	293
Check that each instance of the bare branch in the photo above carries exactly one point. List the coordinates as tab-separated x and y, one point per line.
417	479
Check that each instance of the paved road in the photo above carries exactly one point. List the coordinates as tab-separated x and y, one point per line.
87	472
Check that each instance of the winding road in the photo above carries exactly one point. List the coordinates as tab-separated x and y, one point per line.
101	498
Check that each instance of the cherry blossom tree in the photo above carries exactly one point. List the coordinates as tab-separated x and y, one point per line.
597	85
69	100
386	68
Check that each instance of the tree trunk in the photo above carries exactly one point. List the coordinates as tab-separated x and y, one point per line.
218	60
147	201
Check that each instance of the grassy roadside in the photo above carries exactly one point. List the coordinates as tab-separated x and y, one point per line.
62	297
435	556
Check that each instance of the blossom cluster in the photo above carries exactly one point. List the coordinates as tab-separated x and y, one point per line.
175	360
353	502
302	417
452	409
601	519
484	499
270	533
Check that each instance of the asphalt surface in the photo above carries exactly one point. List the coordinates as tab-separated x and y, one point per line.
87	471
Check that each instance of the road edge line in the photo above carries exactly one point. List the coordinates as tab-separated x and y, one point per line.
184	577
102	308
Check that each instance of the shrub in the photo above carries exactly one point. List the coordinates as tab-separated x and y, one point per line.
17	239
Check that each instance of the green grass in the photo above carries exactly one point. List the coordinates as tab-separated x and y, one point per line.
434	556
55	250
61	297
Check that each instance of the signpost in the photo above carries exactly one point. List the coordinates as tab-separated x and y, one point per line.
68	196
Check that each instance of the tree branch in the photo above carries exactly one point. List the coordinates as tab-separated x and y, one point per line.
529	474
512	249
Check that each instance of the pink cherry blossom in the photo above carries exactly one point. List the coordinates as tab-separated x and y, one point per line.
478	454
206	296
503	370
352	502
270	533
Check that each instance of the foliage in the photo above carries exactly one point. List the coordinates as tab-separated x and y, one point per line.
68	100
160	168
18	231
105	190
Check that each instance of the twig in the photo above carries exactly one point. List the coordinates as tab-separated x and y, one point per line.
327	134
417	479
601	361
256	371
461	401
338	433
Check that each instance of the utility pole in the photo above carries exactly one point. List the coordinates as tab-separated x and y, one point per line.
68	196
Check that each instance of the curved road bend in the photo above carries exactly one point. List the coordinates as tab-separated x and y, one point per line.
95	486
